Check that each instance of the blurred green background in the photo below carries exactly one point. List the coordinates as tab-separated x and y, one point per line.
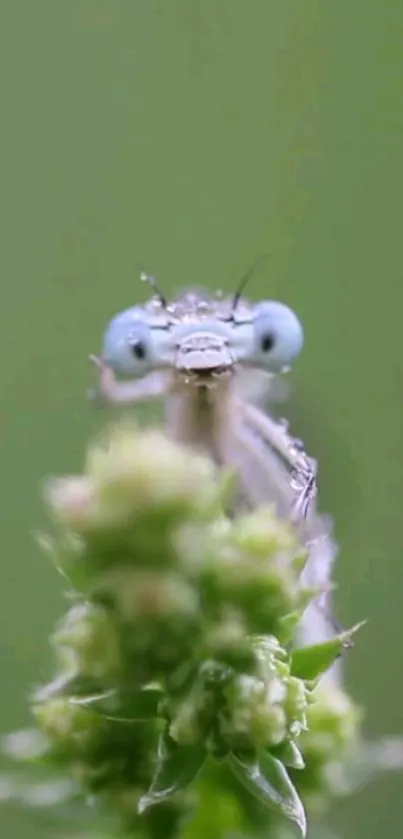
188	138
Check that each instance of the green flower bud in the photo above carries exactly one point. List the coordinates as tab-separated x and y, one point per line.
187	724
194	714
271	659
333	722
136	594
265	708
249	564
331	736
228	643
88	641
254	714
262	534
141	472
138	489
296	705
158	615
72	500
69	728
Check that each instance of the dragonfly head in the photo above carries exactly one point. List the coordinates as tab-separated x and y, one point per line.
203	354
201	338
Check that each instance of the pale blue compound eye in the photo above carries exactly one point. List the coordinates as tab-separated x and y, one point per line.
127	345
278	335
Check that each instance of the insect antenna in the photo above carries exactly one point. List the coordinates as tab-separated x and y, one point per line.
245	279
148	278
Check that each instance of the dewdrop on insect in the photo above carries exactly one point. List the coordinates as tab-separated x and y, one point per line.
209	357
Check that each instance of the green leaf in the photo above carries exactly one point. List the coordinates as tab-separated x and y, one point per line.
123	707
289	754
310	662
267	779
287	626
177	767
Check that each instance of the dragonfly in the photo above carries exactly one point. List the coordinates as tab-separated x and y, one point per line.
214	360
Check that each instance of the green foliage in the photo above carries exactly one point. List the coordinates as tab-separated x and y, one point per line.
179	704
311	662
266	777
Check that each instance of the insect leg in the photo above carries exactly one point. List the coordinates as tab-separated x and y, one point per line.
150	387
265	473
303	468
261	471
